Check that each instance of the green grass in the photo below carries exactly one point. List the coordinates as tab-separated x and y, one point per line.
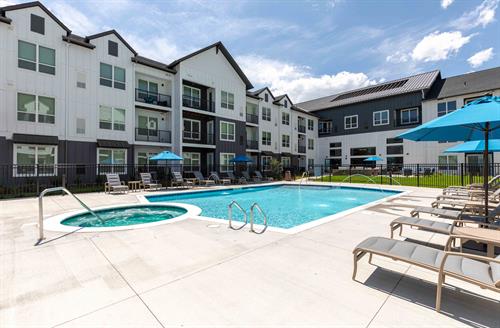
432	181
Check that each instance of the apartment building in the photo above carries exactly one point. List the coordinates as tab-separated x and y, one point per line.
356	124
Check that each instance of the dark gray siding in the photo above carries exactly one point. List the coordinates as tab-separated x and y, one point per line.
365	114
5	151
237	147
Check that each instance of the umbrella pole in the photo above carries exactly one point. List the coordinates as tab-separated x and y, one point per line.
486	170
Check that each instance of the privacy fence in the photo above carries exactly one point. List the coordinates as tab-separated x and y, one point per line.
30	180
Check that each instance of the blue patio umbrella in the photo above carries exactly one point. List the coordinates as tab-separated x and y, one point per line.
373	158
476	146
241	159
478	120
166	156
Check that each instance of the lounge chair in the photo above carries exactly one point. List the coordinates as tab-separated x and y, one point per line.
147	182
218	180
493	184
247	177
261	177
234	179
113	183
201	179
469	212
178	180
478	270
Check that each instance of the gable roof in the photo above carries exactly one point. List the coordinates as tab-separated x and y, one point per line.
481	81
78	40
422	81
219	46
3	10
278	99
259	91
298	109
99	35
153	63
251	95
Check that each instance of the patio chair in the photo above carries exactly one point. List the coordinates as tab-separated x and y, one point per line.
113	183
493	184
234	179
201	179
469	212
461	202
148	183
214	175
248	178
473	194
478	270
261	177
178	180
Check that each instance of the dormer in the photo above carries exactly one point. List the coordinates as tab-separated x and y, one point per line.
283	101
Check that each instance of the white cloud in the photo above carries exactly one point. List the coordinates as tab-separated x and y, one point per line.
397	57
297	81
481	57
4	3
446	3
439	46
77	21
157	48
482	15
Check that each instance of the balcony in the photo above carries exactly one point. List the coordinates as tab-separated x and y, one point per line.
252	118
194	137
302	149
252	144
148	135
198	103
153	98
302	128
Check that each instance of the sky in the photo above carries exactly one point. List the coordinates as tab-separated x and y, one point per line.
308	48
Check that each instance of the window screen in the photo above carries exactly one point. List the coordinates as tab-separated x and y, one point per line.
112	48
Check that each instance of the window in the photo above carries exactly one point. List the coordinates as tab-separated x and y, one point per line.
409	116
191	161
325	127
37	24
448	162
310	163
335	144
365	151
227	131
285	162
191	97
395	150
381	118
285	118
336	152
225	162
266	163
35	160
27	58
112	160
446	107
351	122
31	110
80	126
143	158
47	58
111	118
112	48
192	129
266	97
394	140
310	125
227	100
285	140
266	138
112	76
471	99
286	103
395	162
266	114
310	144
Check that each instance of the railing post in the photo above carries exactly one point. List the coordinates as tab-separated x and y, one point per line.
350	178
418	175
38	179
462	173
380	172
390	175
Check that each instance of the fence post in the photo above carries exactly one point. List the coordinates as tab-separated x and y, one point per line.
38	179
418	175
350	178
390	175
381	181
462	173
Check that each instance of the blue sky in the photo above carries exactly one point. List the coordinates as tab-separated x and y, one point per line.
306	48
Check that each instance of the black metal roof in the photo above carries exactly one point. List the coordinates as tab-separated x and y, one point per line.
475	82
153	63
99	35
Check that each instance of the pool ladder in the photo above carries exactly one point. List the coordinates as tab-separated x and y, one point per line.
40	208
305	176
254	207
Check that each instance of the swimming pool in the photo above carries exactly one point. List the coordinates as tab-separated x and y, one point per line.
286	206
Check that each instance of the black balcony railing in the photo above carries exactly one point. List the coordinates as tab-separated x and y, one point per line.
153	98
150	135
198	103
252	118
252	144
302	149
302	128
193	137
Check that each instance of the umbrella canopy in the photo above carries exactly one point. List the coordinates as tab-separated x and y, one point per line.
166	156
373	158
474	147
478	120
241	159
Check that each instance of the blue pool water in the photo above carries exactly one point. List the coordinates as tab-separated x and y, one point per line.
286	206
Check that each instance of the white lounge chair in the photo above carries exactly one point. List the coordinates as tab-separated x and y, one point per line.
147	182
113	183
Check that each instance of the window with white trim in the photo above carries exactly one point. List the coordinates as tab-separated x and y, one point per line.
112	76
191	161
191	97
285	140
225	162
227	100
112	160
144	156
381	118
266	114
28	59
351	122
31	108
192	129
409	116
266	138
227	131
111	118
310	144
285	162
285	118
310	125
444	108
266	162
33	160
324	127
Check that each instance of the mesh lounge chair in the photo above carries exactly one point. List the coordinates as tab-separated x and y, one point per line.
468	212
147	182
234	179
113	183
493	184
178	180
478	270
201	179
247	177
261	177
218	180
476	194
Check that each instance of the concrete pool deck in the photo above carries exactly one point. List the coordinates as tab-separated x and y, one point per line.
200	273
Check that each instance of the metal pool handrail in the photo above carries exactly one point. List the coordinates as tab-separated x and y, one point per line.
40	207
230	214
304	175
257	206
